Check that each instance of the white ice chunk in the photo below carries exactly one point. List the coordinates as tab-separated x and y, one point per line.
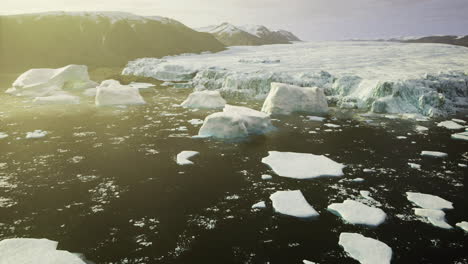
111	92
460	136
204	99
60	98
435	217
316	118
308	262
235	122
292	203
450	125
36	134
184	156
364	249
366	195
435	154
44	82
140	85
3	135
195	122
285	99
259	205
302	165
428	201
459	121
357	213
266	177
35	251
421	128
463	225
414	165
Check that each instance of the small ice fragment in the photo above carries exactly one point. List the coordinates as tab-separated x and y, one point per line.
259	205
463	225
414	166
36	134
266	177
184	156
450	125
435	154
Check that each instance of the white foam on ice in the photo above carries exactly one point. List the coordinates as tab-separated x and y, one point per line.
302	165
435	154
292	203
36	134
366	250
183	158
111	92
35	251
204	100
284	99
357	213
428	201
435	217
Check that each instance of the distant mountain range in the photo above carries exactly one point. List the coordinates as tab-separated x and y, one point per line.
231	35
55	39
448	39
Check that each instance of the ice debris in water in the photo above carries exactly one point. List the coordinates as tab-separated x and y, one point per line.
285	99
357	213
259	205
292	203
316	118
366	250
463	225
428	201
460	136
450	125
58	99
35	251
3	135
435	217
184	156
235	122
266	177
435	154
36	134
111	92
140	85
204	100
414	165
195	122
302	165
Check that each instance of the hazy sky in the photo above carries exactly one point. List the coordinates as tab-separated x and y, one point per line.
309	19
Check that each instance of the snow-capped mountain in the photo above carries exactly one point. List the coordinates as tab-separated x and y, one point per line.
54	39
231	35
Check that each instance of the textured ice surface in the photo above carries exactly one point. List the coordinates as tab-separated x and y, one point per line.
428	201
292	203
235	122
204	99
34	251
36	134
364	249
111	92
358	213
463	225
285	99
183	158
368	75
302	165
436	154
435	217
44	82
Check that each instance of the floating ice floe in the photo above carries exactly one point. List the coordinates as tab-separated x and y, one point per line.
414	165
366	250
435	217
292	203
184	156
366	195
421	128
435	154
266	177
235	122
3	135
460	136
450	125
308	262
45	82
302	165
259	205
140	85
36	134
428	201
195	122
204	99
316	118
35	251
111	92
463	225
459	121
357	213
59	98
285	99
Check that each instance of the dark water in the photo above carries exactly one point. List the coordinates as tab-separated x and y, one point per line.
104	182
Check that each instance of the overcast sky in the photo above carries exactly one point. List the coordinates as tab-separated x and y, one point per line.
309	19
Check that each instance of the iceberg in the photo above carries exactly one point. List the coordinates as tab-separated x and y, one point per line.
285	99
183	158
302	165
45	82
235	122
366	250
357	213
204	99
428	201
111	92
292	203
435	217
59	98
35	251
